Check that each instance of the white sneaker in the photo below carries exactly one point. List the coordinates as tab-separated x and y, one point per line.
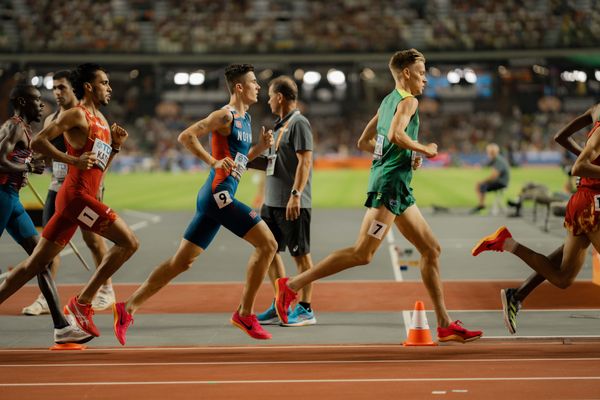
38	307
71	334
105	298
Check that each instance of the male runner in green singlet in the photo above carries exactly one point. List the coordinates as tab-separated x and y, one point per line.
391	136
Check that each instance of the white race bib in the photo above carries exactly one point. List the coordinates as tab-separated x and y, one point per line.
239	166
271	164
377	229
88	217
597	203
102	151
59	170
378	152
222	198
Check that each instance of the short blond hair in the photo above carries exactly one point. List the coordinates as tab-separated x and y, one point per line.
404	58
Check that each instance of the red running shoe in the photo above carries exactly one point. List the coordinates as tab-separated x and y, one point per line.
83	315
457	333
284	296
250	325
122	321
493	242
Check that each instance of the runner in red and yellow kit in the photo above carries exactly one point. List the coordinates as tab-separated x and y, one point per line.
582	220
91	145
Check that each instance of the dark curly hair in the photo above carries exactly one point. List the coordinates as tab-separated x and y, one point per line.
82	74
234	72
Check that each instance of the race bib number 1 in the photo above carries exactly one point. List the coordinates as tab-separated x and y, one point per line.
102	151
378	152
222	198
88	217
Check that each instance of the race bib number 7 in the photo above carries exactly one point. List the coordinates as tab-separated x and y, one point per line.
377	229
102	151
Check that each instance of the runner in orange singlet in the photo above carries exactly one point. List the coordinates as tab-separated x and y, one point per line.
91	145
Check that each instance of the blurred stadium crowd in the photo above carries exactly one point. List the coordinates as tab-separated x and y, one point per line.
266	26
498	71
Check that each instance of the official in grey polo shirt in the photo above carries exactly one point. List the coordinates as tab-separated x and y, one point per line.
287	205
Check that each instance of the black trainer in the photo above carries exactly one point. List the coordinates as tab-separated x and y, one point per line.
510	309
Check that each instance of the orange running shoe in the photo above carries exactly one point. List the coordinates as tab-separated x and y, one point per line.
250	325
455	332
83	315
122	321
493	242
284	296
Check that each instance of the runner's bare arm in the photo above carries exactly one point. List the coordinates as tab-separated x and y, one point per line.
218	121
265	141
73	125
397	133
563	136
584	164
10	135
366	141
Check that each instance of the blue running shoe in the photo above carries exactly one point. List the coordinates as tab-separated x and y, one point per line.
300	317
269	317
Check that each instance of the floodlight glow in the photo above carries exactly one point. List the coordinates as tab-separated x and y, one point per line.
336	77
48	82
197	78
36	80
597	75
367	74
453	77
311	77
470	76
181	78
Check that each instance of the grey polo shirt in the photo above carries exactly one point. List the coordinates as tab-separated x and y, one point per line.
297	137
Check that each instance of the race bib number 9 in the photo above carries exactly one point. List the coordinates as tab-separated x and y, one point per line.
239	166
378	152
222	198
102	151
59	170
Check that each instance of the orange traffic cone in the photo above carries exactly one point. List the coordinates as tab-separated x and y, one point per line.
419	334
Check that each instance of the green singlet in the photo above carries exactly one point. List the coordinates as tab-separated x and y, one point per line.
391	171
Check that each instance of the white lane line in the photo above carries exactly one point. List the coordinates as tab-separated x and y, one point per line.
148	219
407	321
394	255
172	364
271	381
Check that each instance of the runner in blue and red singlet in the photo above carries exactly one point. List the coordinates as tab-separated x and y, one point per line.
216	205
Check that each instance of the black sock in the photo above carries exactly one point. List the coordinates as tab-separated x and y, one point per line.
305	305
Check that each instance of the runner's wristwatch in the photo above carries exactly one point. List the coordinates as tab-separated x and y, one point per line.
296	193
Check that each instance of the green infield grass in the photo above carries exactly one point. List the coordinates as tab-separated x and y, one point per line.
449	187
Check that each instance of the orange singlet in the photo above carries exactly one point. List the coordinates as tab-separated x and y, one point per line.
76	203
583	209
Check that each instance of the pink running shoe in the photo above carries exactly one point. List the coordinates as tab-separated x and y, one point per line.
284	297
250	325
122	321
457	333
83	315
493	242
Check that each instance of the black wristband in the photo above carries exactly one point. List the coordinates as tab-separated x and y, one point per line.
113	150
29	167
